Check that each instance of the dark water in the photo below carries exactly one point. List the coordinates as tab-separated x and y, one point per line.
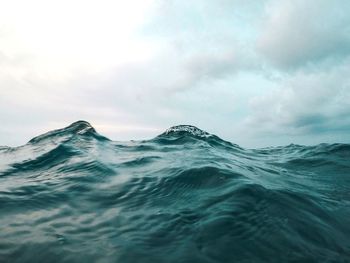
72	195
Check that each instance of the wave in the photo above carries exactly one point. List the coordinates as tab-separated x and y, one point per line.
73	195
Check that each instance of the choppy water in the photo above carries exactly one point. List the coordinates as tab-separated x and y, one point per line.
72	195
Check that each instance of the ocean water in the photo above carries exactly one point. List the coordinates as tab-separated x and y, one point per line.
73	195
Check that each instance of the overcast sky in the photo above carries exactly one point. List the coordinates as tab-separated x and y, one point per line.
254	72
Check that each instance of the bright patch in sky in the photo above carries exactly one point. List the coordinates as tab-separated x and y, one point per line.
63	35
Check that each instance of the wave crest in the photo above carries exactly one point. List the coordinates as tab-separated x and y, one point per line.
78	128
185	130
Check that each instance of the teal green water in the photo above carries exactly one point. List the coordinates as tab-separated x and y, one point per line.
72	195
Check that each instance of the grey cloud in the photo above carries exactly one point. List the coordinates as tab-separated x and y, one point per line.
305	103
298	33
170	72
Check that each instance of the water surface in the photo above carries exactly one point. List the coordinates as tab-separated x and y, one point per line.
73	195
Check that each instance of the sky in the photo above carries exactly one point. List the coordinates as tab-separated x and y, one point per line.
258	73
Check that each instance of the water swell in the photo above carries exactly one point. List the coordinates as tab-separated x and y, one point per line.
73	195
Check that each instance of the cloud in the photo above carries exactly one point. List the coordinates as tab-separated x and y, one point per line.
305	104
296	33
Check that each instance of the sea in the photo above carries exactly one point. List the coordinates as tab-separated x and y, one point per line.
73	195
